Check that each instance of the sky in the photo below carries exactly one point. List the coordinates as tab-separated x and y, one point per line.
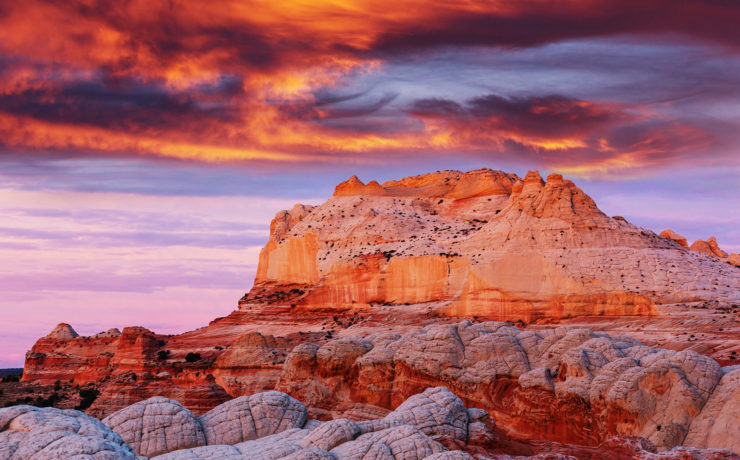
145	145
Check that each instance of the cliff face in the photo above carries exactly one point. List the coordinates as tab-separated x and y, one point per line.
482	243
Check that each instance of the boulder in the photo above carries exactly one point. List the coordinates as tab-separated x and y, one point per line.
671	235
156	426
63	332
48	433
250	417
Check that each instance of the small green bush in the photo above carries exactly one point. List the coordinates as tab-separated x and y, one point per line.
192	357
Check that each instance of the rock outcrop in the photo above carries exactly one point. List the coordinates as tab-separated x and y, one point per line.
433	425
709	247
62	333
671	235
566	385
718	423
251	364
156	426
734	259
252	417
28	432
125	389
481	243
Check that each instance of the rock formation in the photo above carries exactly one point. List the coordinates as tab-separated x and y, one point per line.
157	425
734	259
433	425
29	432
357	307
595	386
62	332
671	235
481	243
709	247
122	390
717	423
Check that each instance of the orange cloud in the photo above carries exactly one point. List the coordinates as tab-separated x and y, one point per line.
240	80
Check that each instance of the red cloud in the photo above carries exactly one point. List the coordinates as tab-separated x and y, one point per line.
238	80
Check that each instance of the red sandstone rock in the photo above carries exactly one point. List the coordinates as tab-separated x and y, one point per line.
734	259
712	241
671	235
709	247
251	364
125	389
566	385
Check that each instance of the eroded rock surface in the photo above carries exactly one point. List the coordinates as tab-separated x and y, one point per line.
157	425
718	424
406	433
28	432
569	385
251	417
356	307
433	425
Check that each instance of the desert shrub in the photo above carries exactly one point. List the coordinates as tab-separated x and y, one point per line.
192	357
87	398
11	378
18	401
162	355
46	402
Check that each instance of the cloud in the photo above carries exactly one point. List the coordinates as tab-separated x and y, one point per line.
277	82
537	22
570	135
548	122
77	280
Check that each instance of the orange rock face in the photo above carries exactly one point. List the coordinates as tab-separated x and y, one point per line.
125	389
709	247
671	235
734	259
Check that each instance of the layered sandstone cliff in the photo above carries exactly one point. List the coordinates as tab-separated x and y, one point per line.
482	243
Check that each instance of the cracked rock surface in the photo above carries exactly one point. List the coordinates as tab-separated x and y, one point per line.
432	425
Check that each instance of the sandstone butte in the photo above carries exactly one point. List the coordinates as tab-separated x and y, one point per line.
520	296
